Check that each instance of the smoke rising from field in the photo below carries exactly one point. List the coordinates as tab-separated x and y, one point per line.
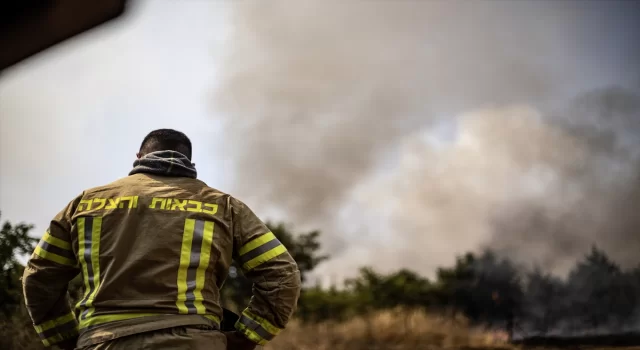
319	96
541	189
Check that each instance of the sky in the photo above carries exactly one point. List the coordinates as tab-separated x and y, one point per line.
407	132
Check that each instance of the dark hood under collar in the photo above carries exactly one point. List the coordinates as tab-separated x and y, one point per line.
165	163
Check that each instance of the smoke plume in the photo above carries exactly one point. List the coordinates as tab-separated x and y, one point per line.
537	189
411	131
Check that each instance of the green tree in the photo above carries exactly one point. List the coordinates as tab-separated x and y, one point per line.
317	304
402	288
14	241
303	247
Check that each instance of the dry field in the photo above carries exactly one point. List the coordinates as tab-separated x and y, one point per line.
390	330
393	330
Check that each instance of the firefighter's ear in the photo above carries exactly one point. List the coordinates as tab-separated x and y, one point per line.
138	155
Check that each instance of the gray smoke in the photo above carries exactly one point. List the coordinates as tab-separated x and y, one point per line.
411	131
593	197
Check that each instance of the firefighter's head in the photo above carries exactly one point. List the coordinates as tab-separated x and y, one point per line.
165	140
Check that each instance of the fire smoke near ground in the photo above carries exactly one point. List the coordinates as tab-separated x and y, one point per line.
409	132
544	189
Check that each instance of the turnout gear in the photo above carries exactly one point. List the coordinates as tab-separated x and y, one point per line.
154	249
175	338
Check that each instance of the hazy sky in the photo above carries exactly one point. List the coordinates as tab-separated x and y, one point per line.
304	123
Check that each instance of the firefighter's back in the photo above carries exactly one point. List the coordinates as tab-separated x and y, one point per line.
145	244
153	250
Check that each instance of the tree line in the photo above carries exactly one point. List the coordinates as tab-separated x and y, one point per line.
488	290
597	295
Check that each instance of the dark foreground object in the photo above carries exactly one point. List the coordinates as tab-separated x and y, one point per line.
28	27
610	340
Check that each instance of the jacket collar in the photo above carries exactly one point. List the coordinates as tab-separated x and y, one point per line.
165	163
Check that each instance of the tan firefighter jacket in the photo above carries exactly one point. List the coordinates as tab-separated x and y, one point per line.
154	249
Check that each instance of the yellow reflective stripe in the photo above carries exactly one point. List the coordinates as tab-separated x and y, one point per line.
268	326
185	257
57	338
213	318
53	257
97	320
55	322
102	319
262	258
52	340
249	333
256	243
205	255
95	262
56	241
81	252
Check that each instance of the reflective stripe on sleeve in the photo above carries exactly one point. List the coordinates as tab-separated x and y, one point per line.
56	241
52	323
42	251
256	328
57	330
56	250
260	250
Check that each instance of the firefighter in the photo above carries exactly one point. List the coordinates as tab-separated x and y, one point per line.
153	249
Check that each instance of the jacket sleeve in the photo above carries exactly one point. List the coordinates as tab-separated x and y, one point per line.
274	274
45	281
